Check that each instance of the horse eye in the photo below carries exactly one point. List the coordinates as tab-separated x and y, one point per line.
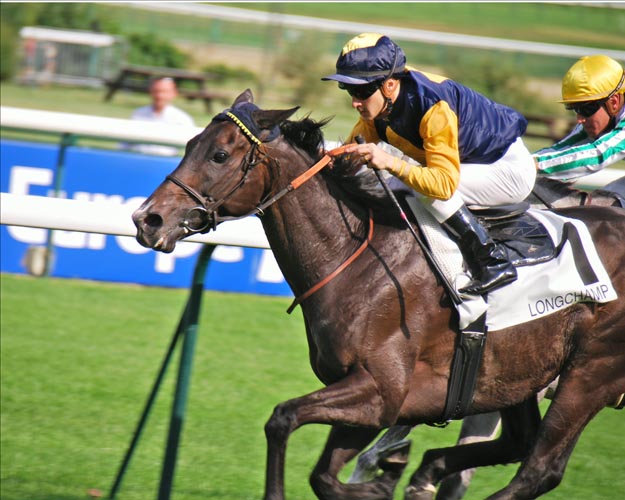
220	157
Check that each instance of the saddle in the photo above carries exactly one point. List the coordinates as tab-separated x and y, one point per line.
616	190
525	238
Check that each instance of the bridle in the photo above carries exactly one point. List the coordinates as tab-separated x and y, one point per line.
208	205
207	208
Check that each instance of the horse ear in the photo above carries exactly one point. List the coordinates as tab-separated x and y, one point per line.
246	96
272	118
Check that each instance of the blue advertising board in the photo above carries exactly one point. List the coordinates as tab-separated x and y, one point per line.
116	177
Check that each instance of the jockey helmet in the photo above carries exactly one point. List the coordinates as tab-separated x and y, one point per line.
366	58
592	78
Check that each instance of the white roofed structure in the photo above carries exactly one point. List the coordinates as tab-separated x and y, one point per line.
71	57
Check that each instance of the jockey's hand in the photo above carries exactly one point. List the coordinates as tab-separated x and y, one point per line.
371	155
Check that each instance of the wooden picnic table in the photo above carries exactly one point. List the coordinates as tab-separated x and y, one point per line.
191	85
548	127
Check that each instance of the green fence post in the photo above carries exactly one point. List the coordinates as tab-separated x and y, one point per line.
187	326
184	373
148	405
66	141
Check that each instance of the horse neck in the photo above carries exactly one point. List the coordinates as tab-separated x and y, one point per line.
310	231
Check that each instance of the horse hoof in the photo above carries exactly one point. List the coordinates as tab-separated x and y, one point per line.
395	458
423	493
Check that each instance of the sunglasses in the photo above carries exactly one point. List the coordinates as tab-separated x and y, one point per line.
360	92
586	109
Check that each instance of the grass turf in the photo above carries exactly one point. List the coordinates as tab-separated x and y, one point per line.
78	361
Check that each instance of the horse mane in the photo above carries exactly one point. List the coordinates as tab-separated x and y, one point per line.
305	134
556	186
357	182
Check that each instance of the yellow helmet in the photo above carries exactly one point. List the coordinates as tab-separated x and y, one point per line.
592	78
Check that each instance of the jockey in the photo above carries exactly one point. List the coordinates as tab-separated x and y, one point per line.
469	148
594	89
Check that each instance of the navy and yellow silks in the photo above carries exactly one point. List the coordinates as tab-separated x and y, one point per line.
242	116
441	124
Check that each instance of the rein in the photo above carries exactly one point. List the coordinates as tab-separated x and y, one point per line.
337	271
294	184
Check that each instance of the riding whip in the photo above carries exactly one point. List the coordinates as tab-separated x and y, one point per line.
426	251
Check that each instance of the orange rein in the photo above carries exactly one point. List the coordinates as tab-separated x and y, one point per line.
297	182
337	271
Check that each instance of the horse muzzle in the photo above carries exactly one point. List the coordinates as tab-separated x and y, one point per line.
154	232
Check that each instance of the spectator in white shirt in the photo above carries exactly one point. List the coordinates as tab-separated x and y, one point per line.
163	91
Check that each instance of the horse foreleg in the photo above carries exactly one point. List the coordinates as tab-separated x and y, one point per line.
519	427
354	401
475	428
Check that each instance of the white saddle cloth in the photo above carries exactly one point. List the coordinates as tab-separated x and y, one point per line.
540	289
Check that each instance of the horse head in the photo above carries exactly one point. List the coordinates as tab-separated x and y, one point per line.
222	175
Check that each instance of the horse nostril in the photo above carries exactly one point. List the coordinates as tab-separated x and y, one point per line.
153	220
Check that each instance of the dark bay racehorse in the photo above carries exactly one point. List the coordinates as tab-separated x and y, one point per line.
381	333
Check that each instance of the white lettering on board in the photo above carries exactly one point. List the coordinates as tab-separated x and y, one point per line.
166	262
227	254
268	270
22	178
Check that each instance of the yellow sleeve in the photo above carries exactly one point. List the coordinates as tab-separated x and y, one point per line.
440	176
366	129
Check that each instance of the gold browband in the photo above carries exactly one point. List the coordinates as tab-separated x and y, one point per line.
243	128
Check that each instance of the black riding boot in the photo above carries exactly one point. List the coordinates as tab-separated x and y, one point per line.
488	261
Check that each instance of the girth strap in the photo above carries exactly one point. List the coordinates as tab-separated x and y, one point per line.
464	369
337	271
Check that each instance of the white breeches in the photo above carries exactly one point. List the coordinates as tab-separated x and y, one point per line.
509	180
